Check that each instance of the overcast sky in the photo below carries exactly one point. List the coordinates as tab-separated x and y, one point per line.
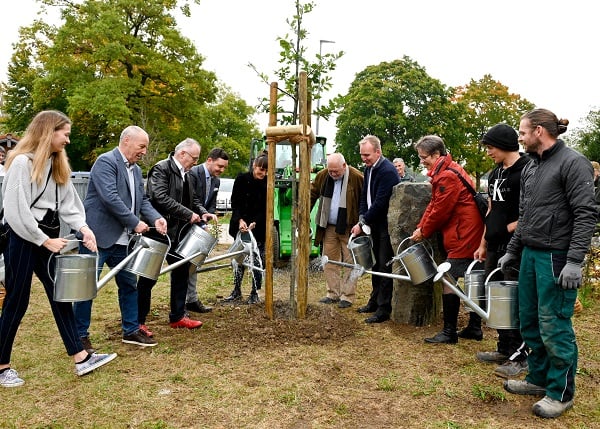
544	50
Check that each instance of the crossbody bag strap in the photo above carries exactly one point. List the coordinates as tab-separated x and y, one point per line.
44	190
463	180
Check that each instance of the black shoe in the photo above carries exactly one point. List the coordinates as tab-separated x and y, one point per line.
443	337
253	299
366	309
139	338
471	333
87	345
344	304
377	318
236	295
197	307
328	300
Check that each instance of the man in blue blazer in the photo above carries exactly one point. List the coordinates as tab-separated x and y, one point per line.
114	205
380	178
207	181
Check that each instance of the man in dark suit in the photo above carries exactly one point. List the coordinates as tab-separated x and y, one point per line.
380	178
114	205
207	180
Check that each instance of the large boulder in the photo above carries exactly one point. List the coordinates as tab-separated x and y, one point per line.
412	304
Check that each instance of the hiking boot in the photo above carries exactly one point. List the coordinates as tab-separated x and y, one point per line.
10	378
523	387
95	360
327	300
471	333
551	408
87	345
139	338
510	369
492	357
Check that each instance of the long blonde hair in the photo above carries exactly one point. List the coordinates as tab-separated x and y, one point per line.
37	141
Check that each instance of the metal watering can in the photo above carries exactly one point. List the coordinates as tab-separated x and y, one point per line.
76	276
149	261
501	299
417	261
197	245
361	248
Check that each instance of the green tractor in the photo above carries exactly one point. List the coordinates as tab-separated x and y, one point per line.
284	176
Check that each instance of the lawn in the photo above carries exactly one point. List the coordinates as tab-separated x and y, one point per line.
329	370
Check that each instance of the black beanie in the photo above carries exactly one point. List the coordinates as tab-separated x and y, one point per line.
503	137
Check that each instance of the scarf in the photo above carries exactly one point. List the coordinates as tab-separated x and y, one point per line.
325	204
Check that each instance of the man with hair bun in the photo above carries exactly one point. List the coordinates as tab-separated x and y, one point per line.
557	216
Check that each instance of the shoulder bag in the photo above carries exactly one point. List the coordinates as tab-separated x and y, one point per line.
480	200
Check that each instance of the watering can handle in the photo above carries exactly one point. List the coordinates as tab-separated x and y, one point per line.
487	280
425	243
48	267
349	240
471	265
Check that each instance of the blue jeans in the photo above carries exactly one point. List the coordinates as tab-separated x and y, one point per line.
126	284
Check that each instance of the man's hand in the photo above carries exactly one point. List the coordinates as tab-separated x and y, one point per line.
507	261
141	227
161	225
207	217
570	276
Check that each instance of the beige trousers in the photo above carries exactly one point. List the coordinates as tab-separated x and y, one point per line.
340	283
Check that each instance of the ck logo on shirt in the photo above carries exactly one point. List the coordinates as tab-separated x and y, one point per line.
496	187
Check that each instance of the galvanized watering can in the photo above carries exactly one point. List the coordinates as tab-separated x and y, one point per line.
76	276
149	261
417	261
501	299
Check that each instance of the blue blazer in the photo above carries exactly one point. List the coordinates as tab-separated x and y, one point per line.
108	200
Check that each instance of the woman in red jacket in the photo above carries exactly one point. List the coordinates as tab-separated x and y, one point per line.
453	212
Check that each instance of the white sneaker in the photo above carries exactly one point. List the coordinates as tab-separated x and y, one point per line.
96	360
551	408
10	378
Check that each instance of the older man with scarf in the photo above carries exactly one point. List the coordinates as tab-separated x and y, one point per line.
338	189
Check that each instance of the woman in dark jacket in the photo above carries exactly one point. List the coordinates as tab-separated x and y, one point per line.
249	213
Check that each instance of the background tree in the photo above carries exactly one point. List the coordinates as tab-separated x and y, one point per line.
114	63
399	103
587	139
485	103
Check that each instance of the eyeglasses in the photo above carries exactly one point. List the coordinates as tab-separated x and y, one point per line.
424	157
195	158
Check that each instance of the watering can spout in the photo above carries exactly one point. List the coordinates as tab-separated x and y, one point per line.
443	269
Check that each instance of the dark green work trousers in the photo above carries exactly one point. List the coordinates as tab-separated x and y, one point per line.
545	311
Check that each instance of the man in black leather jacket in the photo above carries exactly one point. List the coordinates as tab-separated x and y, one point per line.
171	193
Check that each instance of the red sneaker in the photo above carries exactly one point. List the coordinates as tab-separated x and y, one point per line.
186	322
146	331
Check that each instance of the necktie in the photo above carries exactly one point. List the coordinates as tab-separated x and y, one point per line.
208	190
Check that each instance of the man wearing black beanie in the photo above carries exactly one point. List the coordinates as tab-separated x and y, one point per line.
502	146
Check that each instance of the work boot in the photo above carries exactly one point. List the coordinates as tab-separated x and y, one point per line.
236	295
473	330
450	308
